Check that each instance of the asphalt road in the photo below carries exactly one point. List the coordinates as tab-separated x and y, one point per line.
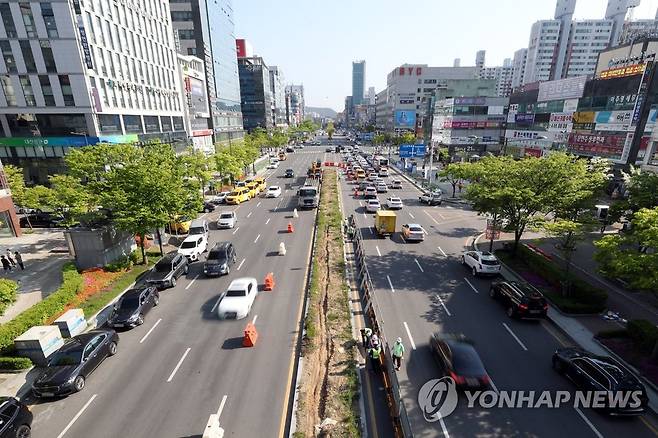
184	364
422	288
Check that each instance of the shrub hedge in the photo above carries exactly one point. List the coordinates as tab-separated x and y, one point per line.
643	333
15	363
44	310
8	293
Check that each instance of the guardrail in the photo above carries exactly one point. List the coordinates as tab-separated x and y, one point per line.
373	314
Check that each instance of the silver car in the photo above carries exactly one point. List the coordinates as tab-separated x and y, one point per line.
227	219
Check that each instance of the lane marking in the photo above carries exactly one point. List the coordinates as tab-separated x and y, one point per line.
551	332
431	217
515	337
472	287
180	362
149	332
361	203
649	425
372	230
249	215
257	237
267	221
253	321
216	304
74	419
241	263
221	406
258	205
419	267
412	216
378	252
364	215
442	216
442	252
191	282
402	237
443	305
589	423
236	230
390	284
411	340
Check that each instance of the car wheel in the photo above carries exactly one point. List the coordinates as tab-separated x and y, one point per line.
475	271
156	300
186	269
463	261
113	348
173	281
23	431
79	383
510	312
558	365
140	319
492	292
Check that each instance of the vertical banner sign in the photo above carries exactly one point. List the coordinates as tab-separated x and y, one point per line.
637	111
86	51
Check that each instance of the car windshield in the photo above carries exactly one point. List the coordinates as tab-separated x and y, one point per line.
197	230
226	216
234	193
129	303
64	358
189	244
217	255
163	266
236	293
274	189
415	229
308	192
465	361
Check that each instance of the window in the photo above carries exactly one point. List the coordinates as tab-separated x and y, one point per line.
181	15
28	92
8	56
30	65
100	38
48	58
191	51
28	19
186	34
67	92
47	90
8	88
49	19
8	20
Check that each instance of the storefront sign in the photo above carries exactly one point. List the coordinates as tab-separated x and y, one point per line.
584	117
620	72
569	88
560	122
524	119
86	51
470	100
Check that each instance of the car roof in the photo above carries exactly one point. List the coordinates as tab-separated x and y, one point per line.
240	283
192	238
169	257
525	288
221	245
486	255
133	292
414	225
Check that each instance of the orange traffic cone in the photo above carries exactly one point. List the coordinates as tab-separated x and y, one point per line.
269	282
291	229
250	336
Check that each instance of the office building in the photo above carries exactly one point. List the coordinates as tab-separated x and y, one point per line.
637	30
206	29
278	90
358	81
480	60
518	67
383	111
502	75
457	62
542	48
76	74
196	108
296	104
372	96
9	224
616	11
256	93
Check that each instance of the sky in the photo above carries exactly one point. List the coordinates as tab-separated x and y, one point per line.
314	42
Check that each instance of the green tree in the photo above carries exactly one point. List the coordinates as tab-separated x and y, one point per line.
454	174
405	138
642	192
227	165
199	166
633	256
379	139
330	130
70	198
16	182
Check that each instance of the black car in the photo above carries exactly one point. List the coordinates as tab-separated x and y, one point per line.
208	207
328	150
290	149
521	300
40	219
72	364
220	258
590	372
459	360
129	311
290	173
167	270
15	419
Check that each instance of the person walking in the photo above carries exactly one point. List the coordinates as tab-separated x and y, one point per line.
13	263
375	358
398	353
19	260
366	333
5	263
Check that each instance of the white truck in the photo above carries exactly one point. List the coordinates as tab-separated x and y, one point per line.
430	198
309	194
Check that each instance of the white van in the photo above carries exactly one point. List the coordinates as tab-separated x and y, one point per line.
199	226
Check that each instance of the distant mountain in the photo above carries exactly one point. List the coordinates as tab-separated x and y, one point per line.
324	112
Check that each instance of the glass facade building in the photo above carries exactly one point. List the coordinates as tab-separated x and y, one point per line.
255	93
358	82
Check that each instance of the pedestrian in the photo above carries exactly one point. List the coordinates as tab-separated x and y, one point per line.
366	333
13	263
19	260
375	357
374	341
460	185
398	353
5	263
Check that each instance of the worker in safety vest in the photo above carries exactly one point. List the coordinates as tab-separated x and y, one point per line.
375	357
398	353
366	333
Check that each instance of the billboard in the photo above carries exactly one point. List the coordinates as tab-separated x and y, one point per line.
560	122
570	88
524	119
620	72
405	119
470	100
412	150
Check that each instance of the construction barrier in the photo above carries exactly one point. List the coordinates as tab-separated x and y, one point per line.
250	335
269	282
291	229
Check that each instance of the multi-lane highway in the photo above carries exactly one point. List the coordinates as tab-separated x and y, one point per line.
422	288
184	364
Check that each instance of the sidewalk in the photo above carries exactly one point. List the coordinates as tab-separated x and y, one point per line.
44	253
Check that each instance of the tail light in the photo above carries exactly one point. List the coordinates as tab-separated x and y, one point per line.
459	380
485	379
546	306
523	307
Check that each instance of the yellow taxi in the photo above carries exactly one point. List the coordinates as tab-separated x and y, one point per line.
238	195
360	174
180	225
253	188
261	183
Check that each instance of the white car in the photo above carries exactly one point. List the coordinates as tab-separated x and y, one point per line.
219	198
383	171
396	184
238	299
481	263
193	246
413	233
273	165
381	188
370	192
273	192
373	205
394	203
227	219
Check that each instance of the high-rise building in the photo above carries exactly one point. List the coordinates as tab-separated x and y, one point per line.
616	11
372	95
206	29
542	47
278	89
296	108
518	67
358	81
457	62
502	75
256	94
480	60
78	73
195	105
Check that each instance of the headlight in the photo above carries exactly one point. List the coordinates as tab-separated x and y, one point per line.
133	317
71	379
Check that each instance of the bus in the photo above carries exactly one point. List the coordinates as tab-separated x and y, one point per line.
379	162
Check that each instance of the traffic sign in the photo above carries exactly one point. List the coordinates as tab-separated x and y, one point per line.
412	150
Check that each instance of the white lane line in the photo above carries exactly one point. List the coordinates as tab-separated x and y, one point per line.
412	216
442	252
411	340
249	215
221	406
390	284
180	362
191	282
515	337
258	205
361	203
364	215
402	237
149	332
236	230
216	304
431	217
589	423
267	221
253	321
74	419
472	287
443	305
257	237
425	232
442	216
378	252
372	230
241	263
419	267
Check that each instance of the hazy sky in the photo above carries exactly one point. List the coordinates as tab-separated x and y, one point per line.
315	41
